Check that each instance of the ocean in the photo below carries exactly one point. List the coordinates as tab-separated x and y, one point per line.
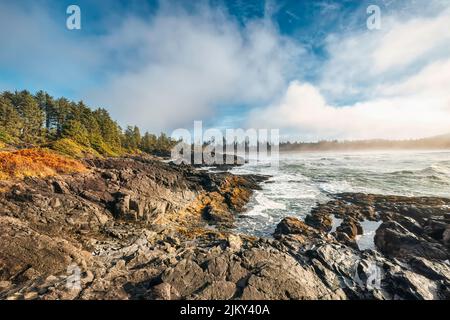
302	180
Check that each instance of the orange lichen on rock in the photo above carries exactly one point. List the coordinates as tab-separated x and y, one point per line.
36	162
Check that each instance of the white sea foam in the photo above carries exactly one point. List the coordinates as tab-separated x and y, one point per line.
335	223
262	204
366	240
301	180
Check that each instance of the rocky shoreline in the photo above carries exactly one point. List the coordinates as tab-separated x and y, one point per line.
139	228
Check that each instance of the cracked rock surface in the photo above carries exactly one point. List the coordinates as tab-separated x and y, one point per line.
140	228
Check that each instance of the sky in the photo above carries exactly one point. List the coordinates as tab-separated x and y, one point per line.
312	69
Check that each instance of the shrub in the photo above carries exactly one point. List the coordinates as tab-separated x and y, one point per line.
6	138
104	149
36	162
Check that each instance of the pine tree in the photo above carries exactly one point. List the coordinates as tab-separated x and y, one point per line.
10	121
136	137
148	142
47	105
74	130
40	118
110	130
31	115
62	110
132	138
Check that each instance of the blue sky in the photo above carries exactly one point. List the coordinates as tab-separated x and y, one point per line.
310	68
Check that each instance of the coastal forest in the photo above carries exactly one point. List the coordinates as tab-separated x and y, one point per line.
71	128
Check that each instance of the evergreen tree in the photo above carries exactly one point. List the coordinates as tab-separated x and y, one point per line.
132	138
110	130
10	121
41	118
62	110
136	137
47	105
31	115
73	129
148	142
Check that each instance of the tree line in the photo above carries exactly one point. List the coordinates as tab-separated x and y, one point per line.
39	119
437	142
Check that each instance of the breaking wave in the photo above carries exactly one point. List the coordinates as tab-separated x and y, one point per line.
304	179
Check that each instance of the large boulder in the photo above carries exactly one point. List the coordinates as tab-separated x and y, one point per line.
350	227
295	229
394	240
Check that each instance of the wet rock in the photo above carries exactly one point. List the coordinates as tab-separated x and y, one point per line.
446	236
291	225
396	241
350	227
279	276
431	269
294	229
435	228
412	286
320	220
344	238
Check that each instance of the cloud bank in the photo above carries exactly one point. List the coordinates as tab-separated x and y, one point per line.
160	72
192	65
177	65
398	77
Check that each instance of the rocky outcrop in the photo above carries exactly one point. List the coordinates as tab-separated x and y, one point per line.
413	253
48	224
396	241
139	228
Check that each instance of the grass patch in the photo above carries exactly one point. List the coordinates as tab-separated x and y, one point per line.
71	148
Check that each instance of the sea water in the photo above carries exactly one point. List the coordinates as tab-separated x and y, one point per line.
302	180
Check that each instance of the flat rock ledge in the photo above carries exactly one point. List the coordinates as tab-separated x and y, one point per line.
139	228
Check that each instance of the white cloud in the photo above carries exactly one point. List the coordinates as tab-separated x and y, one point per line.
404	43
303	110
160	72
432	80
362	59
395	81
180	66
191	64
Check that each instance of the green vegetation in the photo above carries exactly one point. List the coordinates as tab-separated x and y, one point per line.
73	149
69	127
